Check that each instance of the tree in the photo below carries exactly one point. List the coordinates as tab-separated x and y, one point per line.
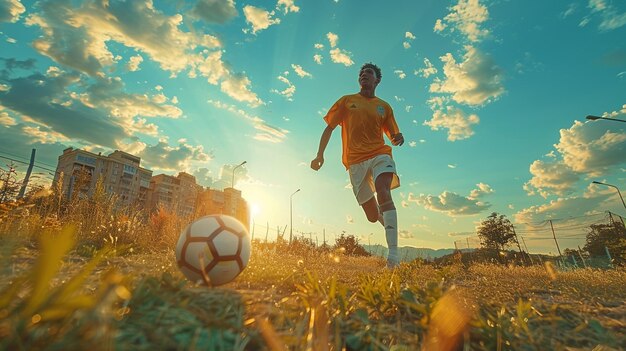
351	244
611	236
9	187
496	232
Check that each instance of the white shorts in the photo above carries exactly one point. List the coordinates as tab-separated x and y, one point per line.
364	174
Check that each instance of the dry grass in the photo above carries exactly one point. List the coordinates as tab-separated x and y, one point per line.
109	281
288	301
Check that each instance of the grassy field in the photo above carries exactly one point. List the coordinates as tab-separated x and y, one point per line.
83	276
300	301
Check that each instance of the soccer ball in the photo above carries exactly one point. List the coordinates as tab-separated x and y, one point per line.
213	249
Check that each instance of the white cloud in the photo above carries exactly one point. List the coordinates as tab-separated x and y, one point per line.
6	120
44	135
265	132
341	56
409	36
108	94
458	124
482	190
466	16
590	202
319	46
450	203
10	10
214	11
412	143
428	69
317	58
212	67
259	18
135	24
332	39
287	92
300	71
439	26
237	86
133	63
400	73
610	17
405	234
571	8
170	158
287	5
592	148
474	81
551	177
585	150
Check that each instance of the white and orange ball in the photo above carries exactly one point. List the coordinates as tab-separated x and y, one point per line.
213	249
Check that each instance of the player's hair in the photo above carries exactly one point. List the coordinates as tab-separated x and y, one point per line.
376	69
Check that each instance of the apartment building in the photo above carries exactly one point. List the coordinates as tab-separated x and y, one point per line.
228	202
120	171
176	194
122	175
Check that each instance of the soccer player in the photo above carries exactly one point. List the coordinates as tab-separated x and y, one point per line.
364	118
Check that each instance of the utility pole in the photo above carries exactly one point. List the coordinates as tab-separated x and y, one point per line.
252	239
30	169
517	241
554	236
529	256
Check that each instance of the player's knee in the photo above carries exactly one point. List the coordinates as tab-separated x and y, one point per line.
387	205
372	217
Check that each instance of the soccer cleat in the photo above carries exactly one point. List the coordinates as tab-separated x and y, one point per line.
391	264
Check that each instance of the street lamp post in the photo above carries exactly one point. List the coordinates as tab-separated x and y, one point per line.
616	188
593	118
291	215
232	182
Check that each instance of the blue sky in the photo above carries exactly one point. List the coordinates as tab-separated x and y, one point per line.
491	97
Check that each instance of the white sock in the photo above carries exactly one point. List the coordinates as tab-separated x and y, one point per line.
390	219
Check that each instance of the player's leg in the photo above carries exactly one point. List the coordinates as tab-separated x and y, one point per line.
385	178
363	187
390	216
370	207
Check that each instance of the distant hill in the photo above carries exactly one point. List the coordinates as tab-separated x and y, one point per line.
409	253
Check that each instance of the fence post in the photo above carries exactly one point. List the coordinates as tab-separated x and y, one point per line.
608	254
581	256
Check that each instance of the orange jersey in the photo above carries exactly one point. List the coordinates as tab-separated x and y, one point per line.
363	121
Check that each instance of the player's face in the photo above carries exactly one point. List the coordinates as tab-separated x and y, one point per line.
367	78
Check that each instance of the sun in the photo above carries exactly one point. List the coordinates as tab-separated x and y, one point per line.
255	210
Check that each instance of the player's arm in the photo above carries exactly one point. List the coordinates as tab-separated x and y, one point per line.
397	139
318	161
391	129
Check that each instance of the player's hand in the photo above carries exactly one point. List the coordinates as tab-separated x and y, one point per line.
317	163
397	139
